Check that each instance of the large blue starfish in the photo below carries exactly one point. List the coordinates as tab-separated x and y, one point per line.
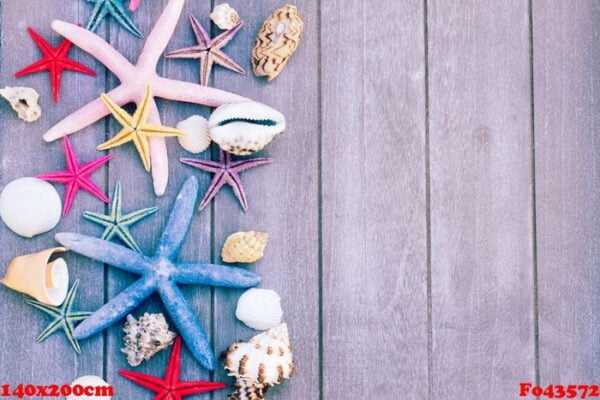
117	10
160	273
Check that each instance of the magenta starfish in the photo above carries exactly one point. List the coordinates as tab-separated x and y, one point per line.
55	61
134	80
209	50
226	172
171	387
76	176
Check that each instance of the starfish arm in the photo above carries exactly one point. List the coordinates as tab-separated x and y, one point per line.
41	43
224	38
206	64
119	113
54	311
115	209
77	67
38	66
126	135
192	52
242	165
173	371
216	184
179	220
193	93
234	180
90	187
204	165
87	115
93	165
99	219
125	235
97	47
194	387
187	324
50	329
215	275
70	193
98	14
153	130
68	328
138	215
134	4
119	13
146	381
105	252
109	232
161	34
143	109
117	308
59	177
79	315
226	61
201	35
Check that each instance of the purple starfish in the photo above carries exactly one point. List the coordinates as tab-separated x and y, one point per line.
226	172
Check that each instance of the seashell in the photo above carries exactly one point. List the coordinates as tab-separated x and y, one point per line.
35	275
246	391
244	247
266	360
245	128
197	136
277	41
30	206
260	309
24	101
224	16
102	390
146	337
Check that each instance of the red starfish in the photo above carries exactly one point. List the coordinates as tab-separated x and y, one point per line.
170	387
54	60
76	176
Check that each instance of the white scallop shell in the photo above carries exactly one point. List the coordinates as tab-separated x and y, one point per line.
260	309
245	128
224	16
197	136
90	381
30	206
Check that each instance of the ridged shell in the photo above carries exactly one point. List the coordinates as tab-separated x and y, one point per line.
267	359
197	136
245	391
260	309
24	101
146	336
30	206
244	247
277	41
224	16
245	128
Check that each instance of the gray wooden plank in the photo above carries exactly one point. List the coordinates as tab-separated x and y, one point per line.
137	186
375	310
566	61
481	199
283	198
24	153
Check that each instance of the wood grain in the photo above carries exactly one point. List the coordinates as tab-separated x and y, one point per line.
481	199
375	330
566	60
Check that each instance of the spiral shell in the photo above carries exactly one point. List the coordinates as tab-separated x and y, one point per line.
224	16
244	247
277	41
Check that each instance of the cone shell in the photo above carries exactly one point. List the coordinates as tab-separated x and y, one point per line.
35	275
277	41
267	359
197	136
244	247
260	309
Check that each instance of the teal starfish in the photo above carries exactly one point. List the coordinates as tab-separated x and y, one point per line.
64	317
117	10
118	224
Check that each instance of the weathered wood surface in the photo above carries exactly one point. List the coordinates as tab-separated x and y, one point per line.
433	201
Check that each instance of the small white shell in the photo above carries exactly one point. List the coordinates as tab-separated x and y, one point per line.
245	128
24	101
30	206
260	309
224	16
96	382
197	137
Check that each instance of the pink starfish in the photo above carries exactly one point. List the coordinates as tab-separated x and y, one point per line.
76	176
134	79
134	4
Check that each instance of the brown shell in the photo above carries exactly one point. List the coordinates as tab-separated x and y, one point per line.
246	391
276	42
244	247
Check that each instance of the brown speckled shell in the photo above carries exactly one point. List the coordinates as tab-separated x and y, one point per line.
276	42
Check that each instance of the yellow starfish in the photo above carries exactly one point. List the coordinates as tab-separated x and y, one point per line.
136	128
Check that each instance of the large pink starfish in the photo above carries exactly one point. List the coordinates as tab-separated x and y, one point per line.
134	79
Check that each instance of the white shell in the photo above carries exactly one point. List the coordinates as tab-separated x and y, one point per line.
197	137
260	309
245	128
90	381
30	206
224	16
146	337
24	101
266	359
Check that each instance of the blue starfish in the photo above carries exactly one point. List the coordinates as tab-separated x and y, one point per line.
117	10
64	317
118	224
160	273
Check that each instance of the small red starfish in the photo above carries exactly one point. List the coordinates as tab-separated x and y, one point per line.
76	176
170	387
55	61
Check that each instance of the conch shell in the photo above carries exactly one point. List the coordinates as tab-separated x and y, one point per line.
35	275
24	101
277	41
145	337
245	128
264	361
224	16
259	309
244	247
197	136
